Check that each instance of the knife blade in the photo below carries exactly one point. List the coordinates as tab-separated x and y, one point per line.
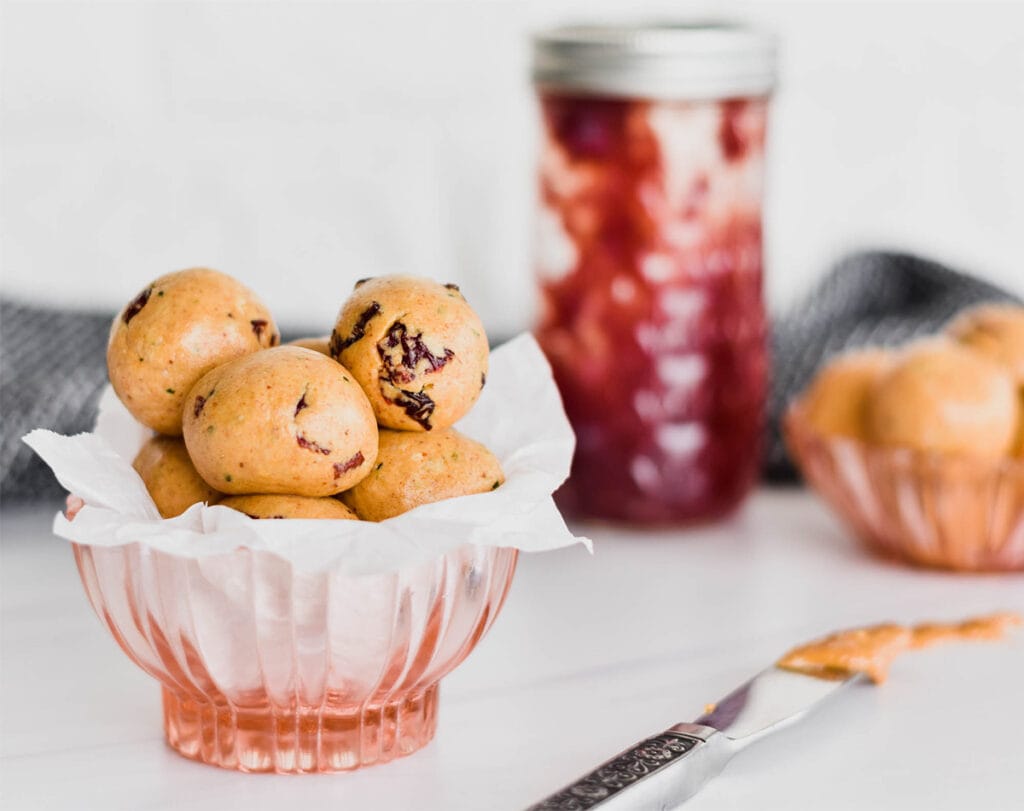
665	770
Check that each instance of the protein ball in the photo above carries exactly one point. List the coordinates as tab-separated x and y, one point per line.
321	344
836	400
415	468
177	329
288	420
280	506
417	349
170	477
995	330
940	396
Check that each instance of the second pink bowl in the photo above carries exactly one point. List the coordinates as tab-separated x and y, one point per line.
930	509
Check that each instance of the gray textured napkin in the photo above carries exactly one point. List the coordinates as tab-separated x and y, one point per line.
52	363
52	370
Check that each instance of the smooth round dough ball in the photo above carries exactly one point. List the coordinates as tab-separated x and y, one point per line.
417	349
287	420
170	477
177	329
836	400
1018	443
321	344
415	468
281	506
995	330
943	397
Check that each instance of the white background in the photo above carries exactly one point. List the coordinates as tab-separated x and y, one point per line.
303	145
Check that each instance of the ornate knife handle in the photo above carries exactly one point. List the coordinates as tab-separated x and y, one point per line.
659	772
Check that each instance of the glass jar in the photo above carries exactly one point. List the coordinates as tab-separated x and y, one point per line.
650	262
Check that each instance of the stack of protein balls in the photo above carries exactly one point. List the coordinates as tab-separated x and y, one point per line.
960	393
355	425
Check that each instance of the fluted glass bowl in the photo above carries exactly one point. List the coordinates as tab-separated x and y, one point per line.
266	668
927	508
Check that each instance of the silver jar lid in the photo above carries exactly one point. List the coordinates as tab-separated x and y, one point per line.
673	61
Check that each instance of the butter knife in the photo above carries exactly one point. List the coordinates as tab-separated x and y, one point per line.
665	770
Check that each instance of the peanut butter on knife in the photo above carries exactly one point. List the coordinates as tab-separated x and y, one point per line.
871	650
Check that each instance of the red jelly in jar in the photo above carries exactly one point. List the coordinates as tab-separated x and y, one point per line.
650	263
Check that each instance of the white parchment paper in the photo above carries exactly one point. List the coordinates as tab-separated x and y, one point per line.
519	416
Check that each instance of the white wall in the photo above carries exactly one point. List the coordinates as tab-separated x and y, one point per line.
301	146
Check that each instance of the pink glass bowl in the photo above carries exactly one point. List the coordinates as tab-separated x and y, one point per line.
268	669
927	508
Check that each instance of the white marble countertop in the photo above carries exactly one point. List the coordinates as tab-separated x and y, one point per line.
589	655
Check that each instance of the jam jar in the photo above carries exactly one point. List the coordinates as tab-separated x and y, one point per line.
649	261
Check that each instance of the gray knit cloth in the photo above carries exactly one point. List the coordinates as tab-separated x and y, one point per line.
52	363
52	370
